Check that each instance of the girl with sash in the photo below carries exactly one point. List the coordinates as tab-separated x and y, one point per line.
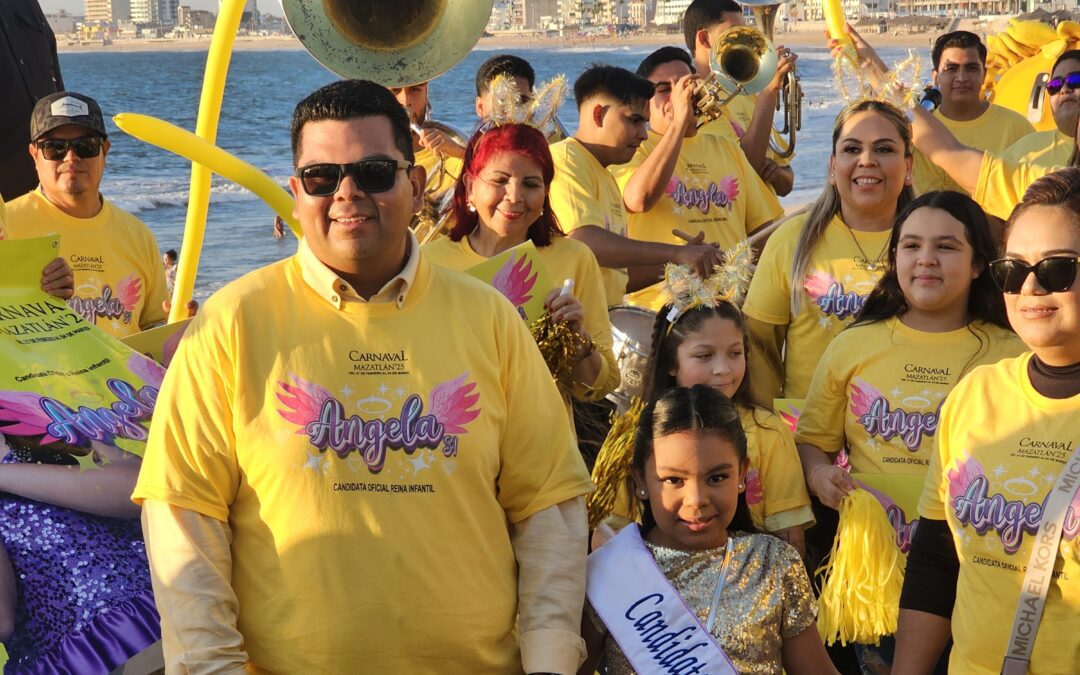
693	589
879	387
707	343
501	201
995	562
836	252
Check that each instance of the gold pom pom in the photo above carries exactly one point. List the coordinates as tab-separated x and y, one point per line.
863	575
560	347
612	467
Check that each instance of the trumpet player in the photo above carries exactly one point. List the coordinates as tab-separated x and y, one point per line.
747	119
681	184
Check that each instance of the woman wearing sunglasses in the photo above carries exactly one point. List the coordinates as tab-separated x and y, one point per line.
995	182
997	551
501	201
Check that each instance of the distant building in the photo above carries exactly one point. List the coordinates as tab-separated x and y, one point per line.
195	20
108	12
670	12
531	14
637	14
62	23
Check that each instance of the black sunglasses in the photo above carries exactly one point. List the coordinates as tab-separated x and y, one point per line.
1072	80
56	149
370	175
1055	274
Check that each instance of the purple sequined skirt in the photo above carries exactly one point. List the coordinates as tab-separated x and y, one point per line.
85	604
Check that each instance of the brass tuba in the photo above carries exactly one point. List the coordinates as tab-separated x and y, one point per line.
742	61
395	43
790	101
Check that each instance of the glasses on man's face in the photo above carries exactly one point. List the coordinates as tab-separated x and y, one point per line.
56	149
1055	274
1072	81
370	175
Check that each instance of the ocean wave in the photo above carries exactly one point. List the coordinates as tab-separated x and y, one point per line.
141	196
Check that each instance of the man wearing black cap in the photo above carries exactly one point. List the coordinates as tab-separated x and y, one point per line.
119	277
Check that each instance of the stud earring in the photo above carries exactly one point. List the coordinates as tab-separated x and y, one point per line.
472	209
541	213
742	486
643	494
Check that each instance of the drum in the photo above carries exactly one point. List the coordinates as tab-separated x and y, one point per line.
631	332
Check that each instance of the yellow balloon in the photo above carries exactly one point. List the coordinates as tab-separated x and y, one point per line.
834	20
189	146
217	67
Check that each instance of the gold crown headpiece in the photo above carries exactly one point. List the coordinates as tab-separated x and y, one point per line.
686	291
507	106
901	86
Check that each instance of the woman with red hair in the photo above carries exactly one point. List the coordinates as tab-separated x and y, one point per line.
500	201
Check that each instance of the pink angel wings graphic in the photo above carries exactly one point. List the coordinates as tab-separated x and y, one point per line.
817	284
863	394
452	404
304	401
791	418
21	415
672	186
967	470
730	187
146	369
513	280
753	487
129	290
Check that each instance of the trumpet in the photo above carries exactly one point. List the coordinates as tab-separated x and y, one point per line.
790	101
742	61
433	219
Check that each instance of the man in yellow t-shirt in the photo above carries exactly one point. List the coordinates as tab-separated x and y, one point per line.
959	70
1053	147
612	107
682	184
119	276
746	119
362	461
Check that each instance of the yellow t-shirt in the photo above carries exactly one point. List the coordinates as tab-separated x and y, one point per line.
119	276
1044	148
585	193
1000	445
775	490
564	258
713	189
449	170
834	290
735	120
994	130
369	460
1002	183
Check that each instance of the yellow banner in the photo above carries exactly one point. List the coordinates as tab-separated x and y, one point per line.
158	343
520	276
62	380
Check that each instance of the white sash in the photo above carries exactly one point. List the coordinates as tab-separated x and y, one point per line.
655	629
1044	553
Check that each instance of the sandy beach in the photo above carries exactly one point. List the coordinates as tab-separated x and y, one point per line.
808	34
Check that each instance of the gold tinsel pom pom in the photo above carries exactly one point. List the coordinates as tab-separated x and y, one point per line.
864	573
559	345
613	465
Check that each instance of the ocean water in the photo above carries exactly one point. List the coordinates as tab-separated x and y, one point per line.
262	90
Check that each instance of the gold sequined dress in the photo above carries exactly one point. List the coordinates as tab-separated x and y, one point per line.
765	600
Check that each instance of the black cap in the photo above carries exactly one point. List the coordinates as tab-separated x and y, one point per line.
65	107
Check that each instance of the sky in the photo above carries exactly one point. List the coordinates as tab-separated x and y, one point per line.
76	6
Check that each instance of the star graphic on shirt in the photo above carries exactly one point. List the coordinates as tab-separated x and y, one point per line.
314	462
824	321
896	391
86	462
926	393
346	391
871	443
400	392
419	462
848	279
1049	479
999	471
115	324
382	390
1034	473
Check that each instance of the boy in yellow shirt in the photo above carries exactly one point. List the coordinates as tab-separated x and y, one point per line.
361	453
746	119
613	105
680	181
